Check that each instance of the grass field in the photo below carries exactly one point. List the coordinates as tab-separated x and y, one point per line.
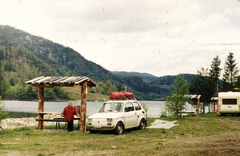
75	94
208	134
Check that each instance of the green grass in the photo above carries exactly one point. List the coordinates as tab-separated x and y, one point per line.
191	132
75	94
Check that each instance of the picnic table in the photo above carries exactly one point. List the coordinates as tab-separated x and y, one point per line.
57	120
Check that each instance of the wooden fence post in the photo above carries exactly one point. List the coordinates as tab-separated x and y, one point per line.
197	107
213	105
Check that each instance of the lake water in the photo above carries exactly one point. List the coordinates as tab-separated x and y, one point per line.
92	107
154	107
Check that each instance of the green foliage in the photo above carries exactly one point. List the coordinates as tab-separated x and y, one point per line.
24	65
230	73
215	72
55	57
3	111
29	93
203	85
105	88
145	76
12	81
3	83
177	101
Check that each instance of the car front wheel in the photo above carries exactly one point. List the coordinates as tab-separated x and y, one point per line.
119	129
142	124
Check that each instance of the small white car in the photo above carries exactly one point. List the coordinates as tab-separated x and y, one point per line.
118	116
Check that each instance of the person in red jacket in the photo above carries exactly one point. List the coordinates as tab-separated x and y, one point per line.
69	113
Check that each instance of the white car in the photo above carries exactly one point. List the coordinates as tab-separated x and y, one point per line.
118	115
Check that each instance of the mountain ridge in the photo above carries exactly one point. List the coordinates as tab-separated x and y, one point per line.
63	59
145	76
47	58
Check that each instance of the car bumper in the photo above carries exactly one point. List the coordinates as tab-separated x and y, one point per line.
92	127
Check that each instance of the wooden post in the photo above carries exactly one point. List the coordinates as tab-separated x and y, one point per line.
40	106
83	107
213	105
217	112
197	107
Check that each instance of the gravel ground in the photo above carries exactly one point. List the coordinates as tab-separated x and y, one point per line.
11	123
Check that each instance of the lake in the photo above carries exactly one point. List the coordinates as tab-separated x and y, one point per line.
30	108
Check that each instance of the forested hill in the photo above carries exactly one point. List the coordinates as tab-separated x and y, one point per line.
63	60
145	76
157	89
23	65
24	56
169	79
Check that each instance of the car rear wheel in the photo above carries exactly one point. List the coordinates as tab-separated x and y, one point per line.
142	124
119	129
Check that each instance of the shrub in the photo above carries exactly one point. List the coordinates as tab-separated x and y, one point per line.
3	112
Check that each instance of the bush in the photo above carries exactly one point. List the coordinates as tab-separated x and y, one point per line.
3	112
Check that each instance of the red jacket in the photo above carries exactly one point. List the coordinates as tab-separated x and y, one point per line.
69	112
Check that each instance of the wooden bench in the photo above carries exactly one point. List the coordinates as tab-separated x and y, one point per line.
57	120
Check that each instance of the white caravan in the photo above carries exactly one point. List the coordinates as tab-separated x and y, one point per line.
229	103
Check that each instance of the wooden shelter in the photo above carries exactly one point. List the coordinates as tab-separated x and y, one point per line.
197	97
51	82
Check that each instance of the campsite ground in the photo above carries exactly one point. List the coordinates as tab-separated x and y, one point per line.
208	134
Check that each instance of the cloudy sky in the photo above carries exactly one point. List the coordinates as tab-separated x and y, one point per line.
160	37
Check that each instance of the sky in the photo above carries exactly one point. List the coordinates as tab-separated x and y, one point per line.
159	37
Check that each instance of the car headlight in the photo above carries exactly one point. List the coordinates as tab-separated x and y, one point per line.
89	121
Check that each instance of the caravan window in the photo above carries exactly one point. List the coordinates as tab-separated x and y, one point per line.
229	101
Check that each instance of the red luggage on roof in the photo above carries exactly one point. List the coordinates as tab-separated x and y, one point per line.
129	95
121	95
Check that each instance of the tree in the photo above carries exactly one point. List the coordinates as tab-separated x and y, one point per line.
177	101
12	81
120	87
203	85
230	73
215	71
3	112
3	83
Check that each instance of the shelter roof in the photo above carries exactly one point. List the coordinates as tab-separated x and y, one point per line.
193	96
214	98
50	82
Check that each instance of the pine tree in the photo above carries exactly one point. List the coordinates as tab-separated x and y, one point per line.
215	71
230	73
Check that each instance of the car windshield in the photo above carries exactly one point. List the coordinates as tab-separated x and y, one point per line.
111	107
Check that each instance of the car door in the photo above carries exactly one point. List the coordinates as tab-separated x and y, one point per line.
130	116
139	112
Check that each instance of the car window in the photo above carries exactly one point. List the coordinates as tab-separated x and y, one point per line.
128	107
111	107
136	106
